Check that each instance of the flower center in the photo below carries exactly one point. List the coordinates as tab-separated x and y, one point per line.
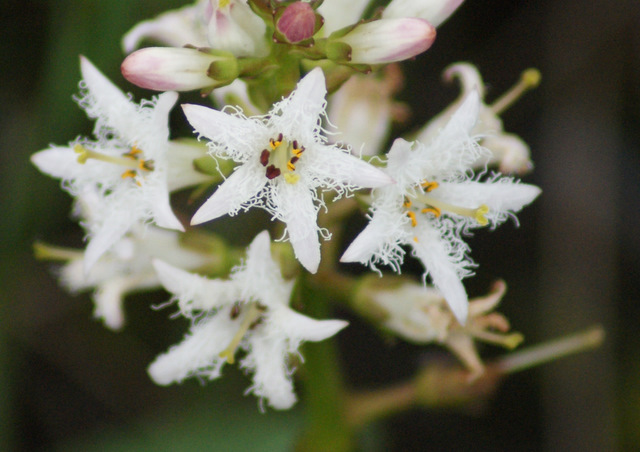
250	320
423	204
130	160
281	158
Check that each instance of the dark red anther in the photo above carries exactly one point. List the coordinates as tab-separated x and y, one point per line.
264	157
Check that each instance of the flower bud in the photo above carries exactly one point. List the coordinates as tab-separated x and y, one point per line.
433	11
381	41
178	69
297	22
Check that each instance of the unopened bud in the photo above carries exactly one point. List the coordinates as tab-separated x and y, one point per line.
177	69
297	22
382	41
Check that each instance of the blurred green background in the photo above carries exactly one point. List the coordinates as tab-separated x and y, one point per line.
67	383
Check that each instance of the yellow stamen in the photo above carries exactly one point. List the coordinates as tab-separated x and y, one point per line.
297	152
407	203
428	186
412	215
128	173
434	210
252	315
291	166
528	80
415	239
133	152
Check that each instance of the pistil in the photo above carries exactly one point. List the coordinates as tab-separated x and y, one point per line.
528	80
250	318
128	160
435	206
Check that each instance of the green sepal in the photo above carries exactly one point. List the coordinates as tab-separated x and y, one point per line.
338	51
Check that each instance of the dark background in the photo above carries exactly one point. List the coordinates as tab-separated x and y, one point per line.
67	383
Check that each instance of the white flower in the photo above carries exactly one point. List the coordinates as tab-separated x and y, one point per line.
433	11
127	268
507	149
249	311
174	28
421	315
129	163
284	158
434	202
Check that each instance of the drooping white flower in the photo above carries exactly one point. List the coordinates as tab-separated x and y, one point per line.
175	28
507	149
249	311
284	159
420	315
434	202
129	163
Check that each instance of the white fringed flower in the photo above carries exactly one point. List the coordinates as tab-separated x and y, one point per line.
434	202
249	311
129	163
508	150
283	158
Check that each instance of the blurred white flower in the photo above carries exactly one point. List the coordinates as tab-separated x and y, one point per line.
433	11
249	311
283	158
508	150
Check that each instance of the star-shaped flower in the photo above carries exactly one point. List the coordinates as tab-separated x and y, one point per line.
248	311
283	159
434	202
131	162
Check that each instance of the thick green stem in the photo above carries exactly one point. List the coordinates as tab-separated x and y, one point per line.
327	428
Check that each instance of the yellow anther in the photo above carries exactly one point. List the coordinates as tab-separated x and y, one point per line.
428	186
434	210
291	178
414	221
480	214
274	143
128	173
415	239
407	203
297	152
291	166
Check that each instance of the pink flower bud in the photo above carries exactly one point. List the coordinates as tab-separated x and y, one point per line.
388	40
169	69
297	22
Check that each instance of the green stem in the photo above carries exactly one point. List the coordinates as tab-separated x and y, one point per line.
327	427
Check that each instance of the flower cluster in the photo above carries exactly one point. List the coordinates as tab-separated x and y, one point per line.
294	123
